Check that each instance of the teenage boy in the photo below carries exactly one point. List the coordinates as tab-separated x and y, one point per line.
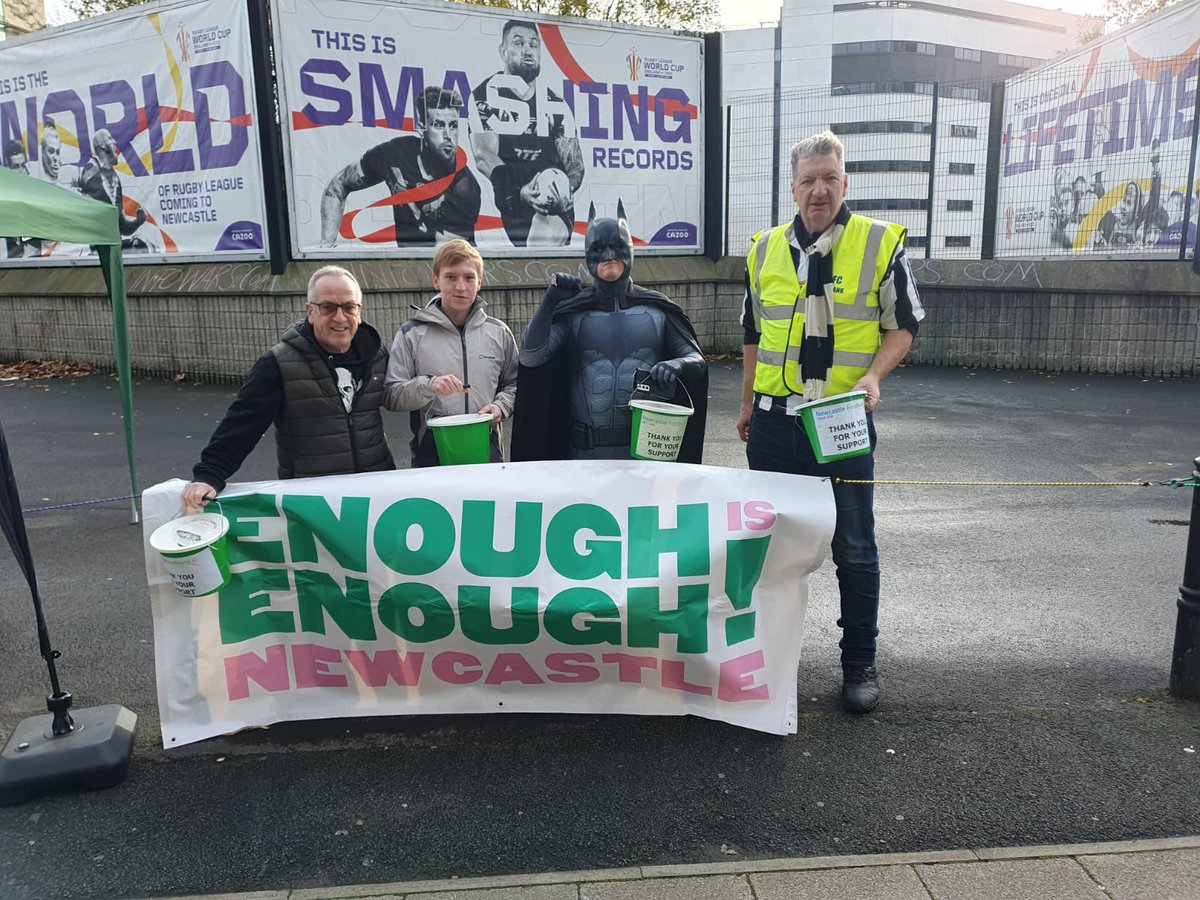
451	357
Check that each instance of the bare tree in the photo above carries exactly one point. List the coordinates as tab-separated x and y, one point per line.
1125	12
697	15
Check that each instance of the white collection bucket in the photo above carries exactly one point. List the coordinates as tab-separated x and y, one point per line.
194	553
657	429
837	426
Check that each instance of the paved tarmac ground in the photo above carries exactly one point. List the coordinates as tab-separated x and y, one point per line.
1027	636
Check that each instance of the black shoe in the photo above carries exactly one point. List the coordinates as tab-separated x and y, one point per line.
860	689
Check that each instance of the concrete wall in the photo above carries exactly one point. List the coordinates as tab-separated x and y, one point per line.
211	321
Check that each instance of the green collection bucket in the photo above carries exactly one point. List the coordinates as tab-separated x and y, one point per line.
837	426
462	440
657	429
194	553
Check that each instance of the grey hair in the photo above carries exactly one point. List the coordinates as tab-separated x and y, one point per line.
823	143
332	270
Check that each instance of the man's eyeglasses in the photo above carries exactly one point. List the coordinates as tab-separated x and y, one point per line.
330	309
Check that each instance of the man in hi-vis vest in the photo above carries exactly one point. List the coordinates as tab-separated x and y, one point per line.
830	307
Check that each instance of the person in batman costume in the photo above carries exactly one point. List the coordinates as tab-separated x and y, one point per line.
582	348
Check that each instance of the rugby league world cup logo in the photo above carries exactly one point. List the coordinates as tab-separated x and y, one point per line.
185	43
634	59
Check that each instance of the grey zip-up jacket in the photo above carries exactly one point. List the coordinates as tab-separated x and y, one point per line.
483	355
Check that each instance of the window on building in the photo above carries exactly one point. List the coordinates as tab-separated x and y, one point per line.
958	240
887	165
1017	62
962	168
967	55
915	240
964	131
840	88
961	91
880	127
960	205
890	203
858	48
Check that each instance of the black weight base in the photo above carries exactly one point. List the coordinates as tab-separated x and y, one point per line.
95	755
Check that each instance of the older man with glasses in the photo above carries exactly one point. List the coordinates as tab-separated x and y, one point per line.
322	388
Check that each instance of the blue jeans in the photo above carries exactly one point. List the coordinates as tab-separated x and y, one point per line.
778	444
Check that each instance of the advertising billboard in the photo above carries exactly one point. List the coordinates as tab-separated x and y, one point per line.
407	125
1097	147
152	111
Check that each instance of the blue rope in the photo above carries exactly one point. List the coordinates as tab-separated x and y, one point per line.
80	503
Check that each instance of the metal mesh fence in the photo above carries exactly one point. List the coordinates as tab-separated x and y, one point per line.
1093	161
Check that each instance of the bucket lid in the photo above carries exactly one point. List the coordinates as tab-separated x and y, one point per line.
834	399
658	406
189	533
462	419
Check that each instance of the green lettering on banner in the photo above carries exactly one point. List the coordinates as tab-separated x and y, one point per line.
437	536
344	536
241	512
648	620
743	567
245	593
603	626
398	601
601	558
318	593
479	554
475	615
688	540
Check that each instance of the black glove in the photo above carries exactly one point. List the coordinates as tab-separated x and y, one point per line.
564	282
562	287
666	373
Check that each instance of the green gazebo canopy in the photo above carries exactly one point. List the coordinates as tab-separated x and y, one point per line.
30	208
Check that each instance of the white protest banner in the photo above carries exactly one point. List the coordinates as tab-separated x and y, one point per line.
1097	146
659	589
151	110
406	125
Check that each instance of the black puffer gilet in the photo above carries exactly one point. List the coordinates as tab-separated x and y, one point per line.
315	435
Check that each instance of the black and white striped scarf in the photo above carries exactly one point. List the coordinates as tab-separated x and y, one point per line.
816	342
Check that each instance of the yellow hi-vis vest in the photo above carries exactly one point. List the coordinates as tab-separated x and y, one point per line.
860	259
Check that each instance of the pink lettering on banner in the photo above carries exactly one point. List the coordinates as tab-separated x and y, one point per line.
737	680
270	673
386	665
673	679
312	666
566	668
760	515
511	667
457	668
755	515
629	668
